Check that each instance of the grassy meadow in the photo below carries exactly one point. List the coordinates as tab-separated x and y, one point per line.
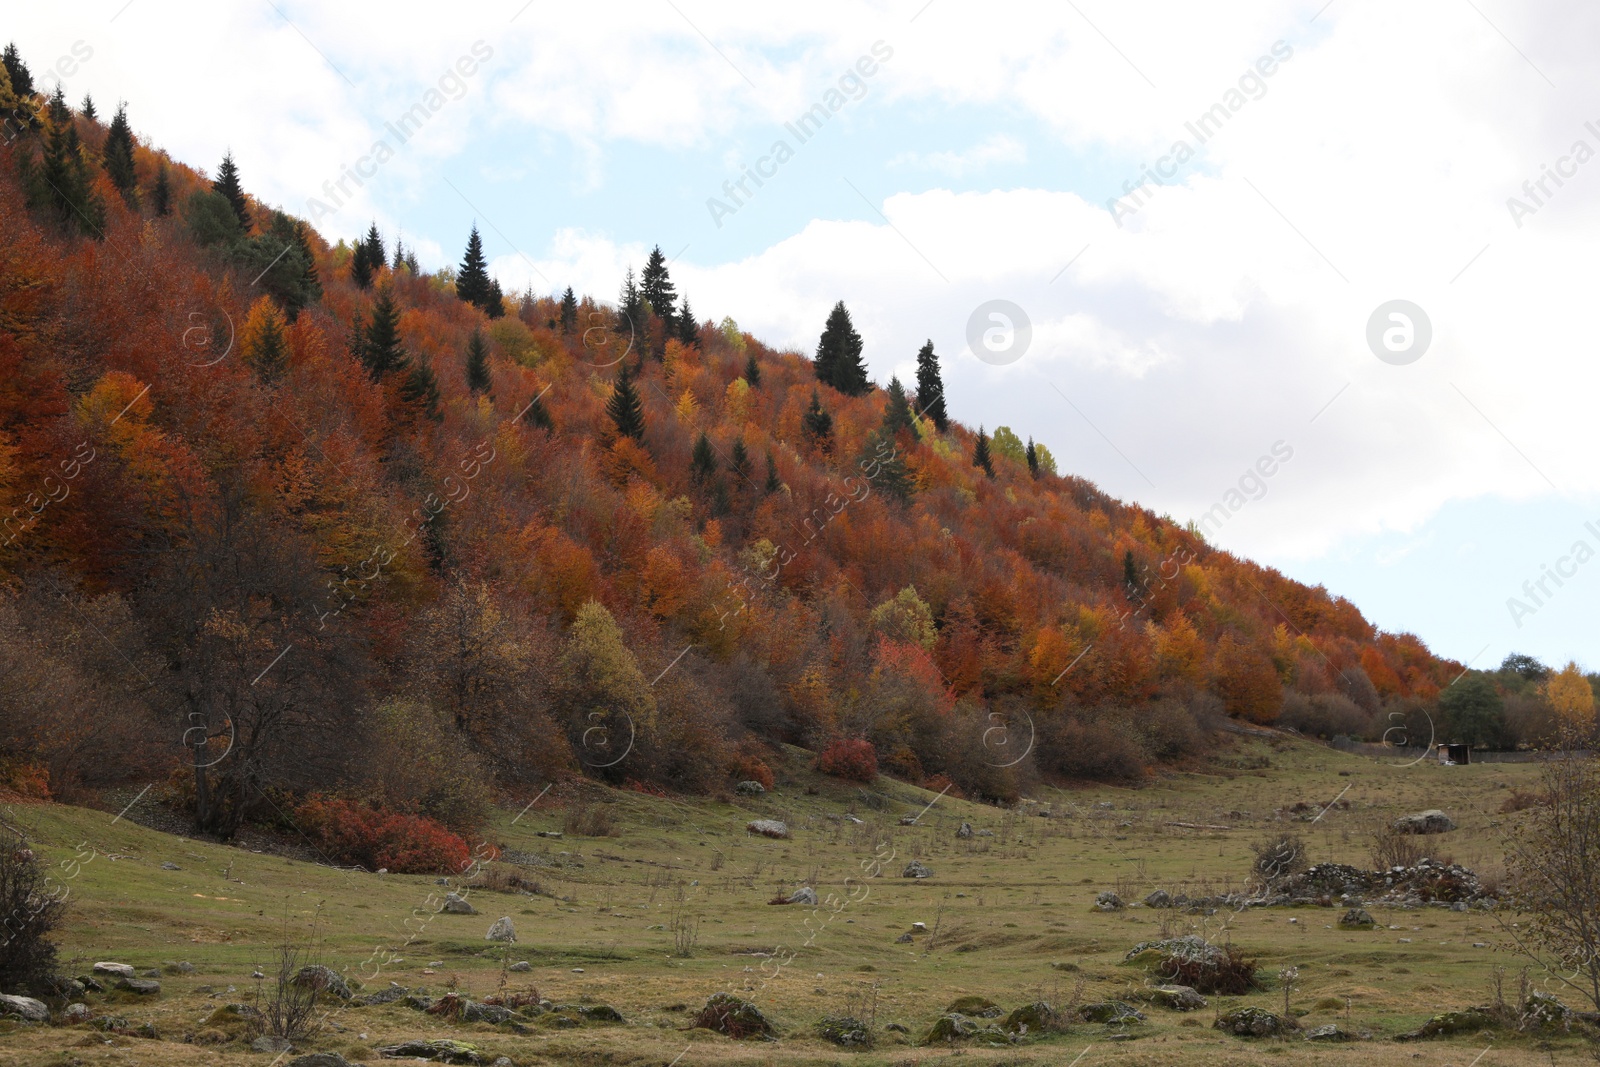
673	906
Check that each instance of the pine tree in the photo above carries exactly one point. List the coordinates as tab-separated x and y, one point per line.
897	412
774	483
381	349
752	371
1130	572
477	363
361	266
87	109
839	354
980	454
739	460
1033	459
495	304
117	155
472	280
536	415
930	388
420	390
818	425
655	285
688	328
399	262
17	70
627	413
64	184
161	195
227	183
892	477
569	310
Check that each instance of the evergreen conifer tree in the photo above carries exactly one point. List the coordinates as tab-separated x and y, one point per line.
477	363
361	266
87	109
703	461
752	371
1033	459
980	454
630	304
774	483
569	310
655	285
838	360
494	305
930	388
227	183
60	113
472	280
420	390
897	412
161	195
310	281
688	328
818	425
268	351
382	351
17	70
117	154
536	415
627	413
739	461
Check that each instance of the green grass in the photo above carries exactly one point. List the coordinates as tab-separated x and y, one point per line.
1012	913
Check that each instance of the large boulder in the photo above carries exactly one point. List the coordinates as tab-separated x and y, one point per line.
965	831
804	895
455	904
975	1006
114	970
1357	919
145	987
323	980
845	1031
1110	1012
1432	821
767	828
1175	997
502	930
1036	1018
437	1051
915	869
749	789
953	1026
1449	1023
1106	900
34	1011
1255	1022
1330	1032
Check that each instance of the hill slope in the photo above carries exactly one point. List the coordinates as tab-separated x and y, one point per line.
316	521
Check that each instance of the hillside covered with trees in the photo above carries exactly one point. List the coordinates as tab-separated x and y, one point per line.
293	524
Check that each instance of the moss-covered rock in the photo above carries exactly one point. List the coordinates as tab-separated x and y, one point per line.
976	1006
1111	1012
1467	1021
1036	1018
1255	1022
846	1031
953	1026
740	1019
442	1051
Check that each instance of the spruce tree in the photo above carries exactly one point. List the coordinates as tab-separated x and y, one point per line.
655	285
630	304
161	195
477	363
774	483
399	262
1033	459
627	413
930	388
87	109
897	412
980	454
752	371
702	461
688	328
839	354
117	155
17	70
310	281
361	266
739	460
495	304
268	351
818	425
227	183
65	186
536	415
420	390
374	246
381	350
893	478
472	280
569	310
60	113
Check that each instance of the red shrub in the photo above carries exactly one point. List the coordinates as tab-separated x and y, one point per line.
850	758
753	769
942	783
352	832
645	787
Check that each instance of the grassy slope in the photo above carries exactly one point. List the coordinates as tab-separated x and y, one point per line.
1007	908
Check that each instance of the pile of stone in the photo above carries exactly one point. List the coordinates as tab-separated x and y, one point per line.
1425	883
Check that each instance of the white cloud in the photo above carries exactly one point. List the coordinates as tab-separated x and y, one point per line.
996	148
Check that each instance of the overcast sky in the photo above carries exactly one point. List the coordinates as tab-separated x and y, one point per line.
1352	155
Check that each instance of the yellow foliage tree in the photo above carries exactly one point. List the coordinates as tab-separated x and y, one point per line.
1572	697
264	342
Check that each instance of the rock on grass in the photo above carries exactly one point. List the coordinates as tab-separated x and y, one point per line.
1255	1022
845	1031
437	1051
737	1018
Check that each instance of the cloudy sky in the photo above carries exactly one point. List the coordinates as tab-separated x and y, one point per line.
1318	161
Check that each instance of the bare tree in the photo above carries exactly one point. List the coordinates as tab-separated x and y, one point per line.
1553	873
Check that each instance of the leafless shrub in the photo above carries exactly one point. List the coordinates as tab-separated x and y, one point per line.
1277	857
1389	847
286	1009
589	820
685	932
